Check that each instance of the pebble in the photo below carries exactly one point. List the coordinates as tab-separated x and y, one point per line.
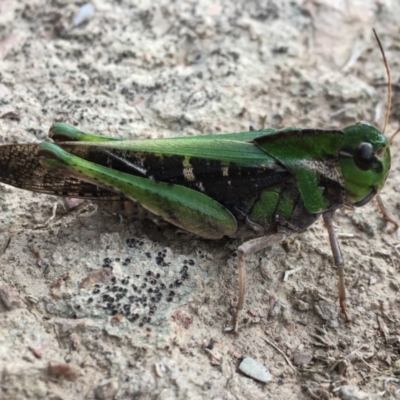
348	392
396	367
253	369
106	390
301	358
85	13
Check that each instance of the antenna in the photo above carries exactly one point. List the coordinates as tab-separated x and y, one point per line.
389	97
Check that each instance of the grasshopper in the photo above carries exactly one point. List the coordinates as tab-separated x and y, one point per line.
262	185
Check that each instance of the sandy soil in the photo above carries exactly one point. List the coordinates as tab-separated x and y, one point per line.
159	69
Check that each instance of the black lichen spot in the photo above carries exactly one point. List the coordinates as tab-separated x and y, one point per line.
133	317
159	260
131	242
184	273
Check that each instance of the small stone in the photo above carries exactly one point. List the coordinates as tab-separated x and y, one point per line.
341	367
301	305
85	12
327	312
9	298
255	370
4	241
301	358
106	390
396	367
63	370
348	392
394	285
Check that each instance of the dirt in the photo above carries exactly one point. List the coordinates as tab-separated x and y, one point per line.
161	69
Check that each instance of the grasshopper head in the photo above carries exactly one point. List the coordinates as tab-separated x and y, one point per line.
364	161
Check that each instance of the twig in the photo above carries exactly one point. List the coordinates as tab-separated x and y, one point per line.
282	353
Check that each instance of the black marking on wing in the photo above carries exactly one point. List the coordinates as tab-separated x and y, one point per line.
234	186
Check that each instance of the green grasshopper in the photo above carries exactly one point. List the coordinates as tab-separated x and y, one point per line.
262	185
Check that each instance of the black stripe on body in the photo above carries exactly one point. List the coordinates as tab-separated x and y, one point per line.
219	181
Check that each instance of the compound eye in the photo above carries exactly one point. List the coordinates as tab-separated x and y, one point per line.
364	156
